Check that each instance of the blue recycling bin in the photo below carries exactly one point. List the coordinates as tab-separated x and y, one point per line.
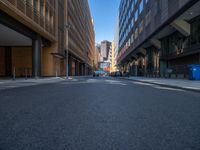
194	72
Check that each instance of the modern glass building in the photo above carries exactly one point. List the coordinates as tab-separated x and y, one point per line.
159	36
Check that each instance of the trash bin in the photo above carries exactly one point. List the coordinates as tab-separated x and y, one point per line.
194	72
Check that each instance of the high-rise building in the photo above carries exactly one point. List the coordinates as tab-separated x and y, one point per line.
105	48
35	35
116	45
81	37
110	52
159	36
97	56
112	61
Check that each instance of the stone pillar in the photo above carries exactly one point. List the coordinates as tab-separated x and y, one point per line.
37	49
199	58
70	66
80	69
77	68
163	67
85	68
8	61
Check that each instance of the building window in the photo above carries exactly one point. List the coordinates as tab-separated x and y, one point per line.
141	6
129	42
199	31
132	6
136	15
194	32
42	8
141	26
136	1
148	18
132	38
158	6
35	6
136	33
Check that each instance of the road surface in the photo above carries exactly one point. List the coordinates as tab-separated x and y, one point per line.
99	114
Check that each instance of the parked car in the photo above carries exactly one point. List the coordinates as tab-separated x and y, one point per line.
112	74
95	74
126	74
116	74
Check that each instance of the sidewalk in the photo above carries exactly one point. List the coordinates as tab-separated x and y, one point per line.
174	83
21	82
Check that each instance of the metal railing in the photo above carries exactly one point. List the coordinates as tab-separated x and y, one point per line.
22	72
177	71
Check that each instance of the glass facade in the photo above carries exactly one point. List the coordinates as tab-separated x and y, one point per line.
130	26
163	33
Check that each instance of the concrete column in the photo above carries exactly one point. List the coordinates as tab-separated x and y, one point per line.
145	65
163	67
37	49
85	69
70	66
80	69
77	68
199	58
8	61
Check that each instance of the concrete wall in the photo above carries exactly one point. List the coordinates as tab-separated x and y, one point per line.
2	61
22	62
63	68
22	59
51	65
47	62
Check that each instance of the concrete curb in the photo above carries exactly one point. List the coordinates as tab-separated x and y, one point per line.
164	85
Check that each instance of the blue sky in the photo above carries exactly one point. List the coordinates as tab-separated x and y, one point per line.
104	13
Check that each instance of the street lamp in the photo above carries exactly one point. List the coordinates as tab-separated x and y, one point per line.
67	27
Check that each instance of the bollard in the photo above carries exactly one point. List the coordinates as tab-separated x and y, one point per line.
26	73
14	73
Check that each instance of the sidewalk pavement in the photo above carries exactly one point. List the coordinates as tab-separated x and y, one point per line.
22	82
184	84
35	80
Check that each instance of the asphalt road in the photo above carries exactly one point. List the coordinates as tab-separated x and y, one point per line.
99	114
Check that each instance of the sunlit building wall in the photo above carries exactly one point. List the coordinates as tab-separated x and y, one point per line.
36	39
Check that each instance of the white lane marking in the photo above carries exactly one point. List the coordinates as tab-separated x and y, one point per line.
118	83
157	86
10	86
141	83
75	83
195	88
112	81
168	88
115	82
92	80
97	81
